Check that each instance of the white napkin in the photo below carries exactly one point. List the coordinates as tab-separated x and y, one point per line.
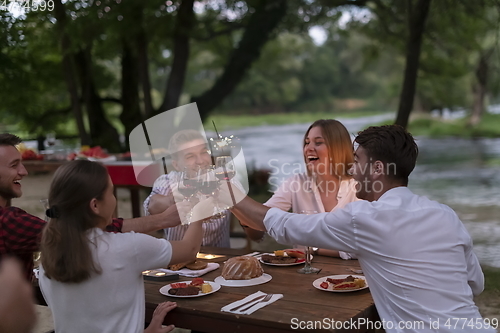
102	159
212	266
255	307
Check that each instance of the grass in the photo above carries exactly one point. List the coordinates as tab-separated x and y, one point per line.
225	122
489	300
425	125
434	128
492	279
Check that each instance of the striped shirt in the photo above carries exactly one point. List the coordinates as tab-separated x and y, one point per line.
215	233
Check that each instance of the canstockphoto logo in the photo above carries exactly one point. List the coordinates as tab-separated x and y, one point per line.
175	141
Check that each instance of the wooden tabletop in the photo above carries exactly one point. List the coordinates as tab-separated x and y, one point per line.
35	167
301	302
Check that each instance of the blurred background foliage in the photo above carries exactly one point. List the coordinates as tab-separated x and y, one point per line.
95	69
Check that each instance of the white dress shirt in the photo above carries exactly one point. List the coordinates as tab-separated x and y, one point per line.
215	232
300	193
416	254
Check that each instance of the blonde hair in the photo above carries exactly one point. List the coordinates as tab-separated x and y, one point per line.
182	137
339	144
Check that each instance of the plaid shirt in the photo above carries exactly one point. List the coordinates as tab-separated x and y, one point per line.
20	235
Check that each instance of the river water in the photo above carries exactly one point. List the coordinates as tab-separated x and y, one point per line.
461	173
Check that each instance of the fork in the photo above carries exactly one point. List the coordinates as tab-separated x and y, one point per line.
265	299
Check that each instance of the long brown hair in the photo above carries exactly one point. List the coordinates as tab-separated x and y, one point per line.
66	254
339	144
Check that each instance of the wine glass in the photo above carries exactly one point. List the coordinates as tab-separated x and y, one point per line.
188	186
225	168
308	269
208	184
51	138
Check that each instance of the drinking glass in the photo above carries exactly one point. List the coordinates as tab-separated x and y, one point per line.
51	138
208	184
188	187
225	169
308	269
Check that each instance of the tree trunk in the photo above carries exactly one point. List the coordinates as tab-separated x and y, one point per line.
479	91
142	47
141	44
417	17
268	14
183	26
69	73
131	111
102	132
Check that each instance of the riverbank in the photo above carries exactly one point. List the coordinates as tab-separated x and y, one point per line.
425	125
419	125
227	122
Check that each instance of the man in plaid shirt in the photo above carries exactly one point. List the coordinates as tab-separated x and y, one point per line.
20	232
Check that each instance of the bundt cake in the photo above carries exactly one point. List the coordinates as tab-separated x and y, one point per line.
242	268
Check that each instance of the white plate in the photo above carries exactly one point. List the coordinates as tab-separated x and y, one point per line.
243	283
317	282
164	290
290	264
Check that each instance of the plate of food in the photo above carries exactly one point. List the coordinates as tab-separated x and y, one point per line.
283	258
341	283
187	289
242	271
193	265
191	269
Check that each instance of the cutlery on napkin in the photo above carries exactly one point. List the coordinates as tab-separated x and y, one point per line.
193	273
251	303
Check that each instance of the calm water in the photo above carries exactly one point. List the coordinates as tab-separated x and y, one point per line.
464	174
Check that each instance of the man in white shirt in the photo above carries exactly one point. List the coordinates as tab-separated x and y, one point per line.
416	254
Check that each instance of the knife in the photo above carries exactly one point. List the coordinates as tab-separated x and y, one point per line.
258	298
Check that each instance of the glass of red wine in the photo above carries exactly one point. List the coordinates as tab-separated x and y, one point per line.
208	185
188	186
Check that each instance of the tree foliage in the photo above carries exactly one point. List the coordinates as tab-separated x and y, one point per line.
97	68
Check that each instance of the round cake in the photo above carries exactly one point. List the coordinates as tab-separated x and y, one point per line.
242	268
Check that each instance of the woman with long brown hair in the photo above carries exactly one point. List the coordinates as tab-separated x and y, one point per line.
326	185
91	279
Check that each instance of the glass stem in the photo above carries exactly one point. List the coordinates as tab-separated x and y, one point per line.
308	257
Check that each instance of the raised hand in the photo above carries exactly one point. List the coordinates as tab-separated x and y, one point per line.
230	194
203	210
176	214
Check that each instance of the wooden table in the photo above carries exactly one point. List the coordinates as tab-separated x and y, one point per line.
34	167
301	301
